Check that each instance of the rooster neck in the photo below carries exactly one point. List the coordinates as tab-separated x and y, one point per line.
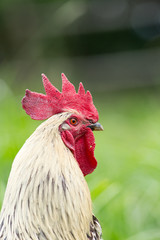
47	195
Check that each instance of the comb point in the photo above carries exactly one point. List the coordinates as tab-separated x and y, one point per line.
49	88
89	96
81	90
67	87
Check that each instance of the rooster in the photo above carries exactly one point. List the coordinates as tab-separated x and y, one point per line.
47	197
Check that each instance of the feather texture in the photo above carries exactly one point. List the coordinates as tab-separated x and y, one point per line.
47	197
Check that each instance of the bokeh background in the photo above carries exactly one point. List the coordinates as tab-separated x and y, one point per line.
113	47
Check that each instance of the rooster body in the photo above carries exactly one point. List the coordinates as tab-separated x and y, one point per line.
47	197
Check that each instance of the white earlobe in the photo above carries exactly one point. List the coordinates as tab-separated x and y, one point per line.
65	126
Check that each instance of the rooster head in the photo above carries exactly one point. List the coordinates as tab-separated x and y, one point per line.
76	131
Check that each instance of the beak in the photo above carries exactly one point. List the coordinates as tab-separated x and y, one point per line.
96	127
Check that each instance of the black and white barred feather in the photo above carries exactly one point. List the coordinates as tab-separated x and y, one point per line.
95	230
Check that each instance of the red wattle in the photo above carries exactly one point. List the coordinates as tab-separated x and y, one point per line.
83	149
84	152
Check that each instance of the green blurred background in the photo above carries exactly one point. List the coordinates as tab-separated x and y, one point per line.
113	47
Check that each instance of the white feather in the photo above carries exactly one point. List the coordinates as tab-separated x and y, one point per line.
47	196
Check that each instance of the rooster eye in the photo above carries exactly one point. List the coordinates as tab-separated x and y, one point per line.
74	121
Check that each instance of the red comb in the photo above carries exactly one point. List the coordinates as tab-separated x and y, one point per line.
40	106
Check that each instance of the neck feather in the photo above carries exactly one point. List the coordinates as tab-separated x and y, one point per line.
47	195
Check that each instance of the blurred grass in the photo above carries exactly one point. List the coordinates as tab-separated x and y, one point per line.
125	187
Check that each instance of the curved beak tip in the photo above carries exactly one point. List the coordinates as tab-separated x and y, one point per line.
96	127
101	129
